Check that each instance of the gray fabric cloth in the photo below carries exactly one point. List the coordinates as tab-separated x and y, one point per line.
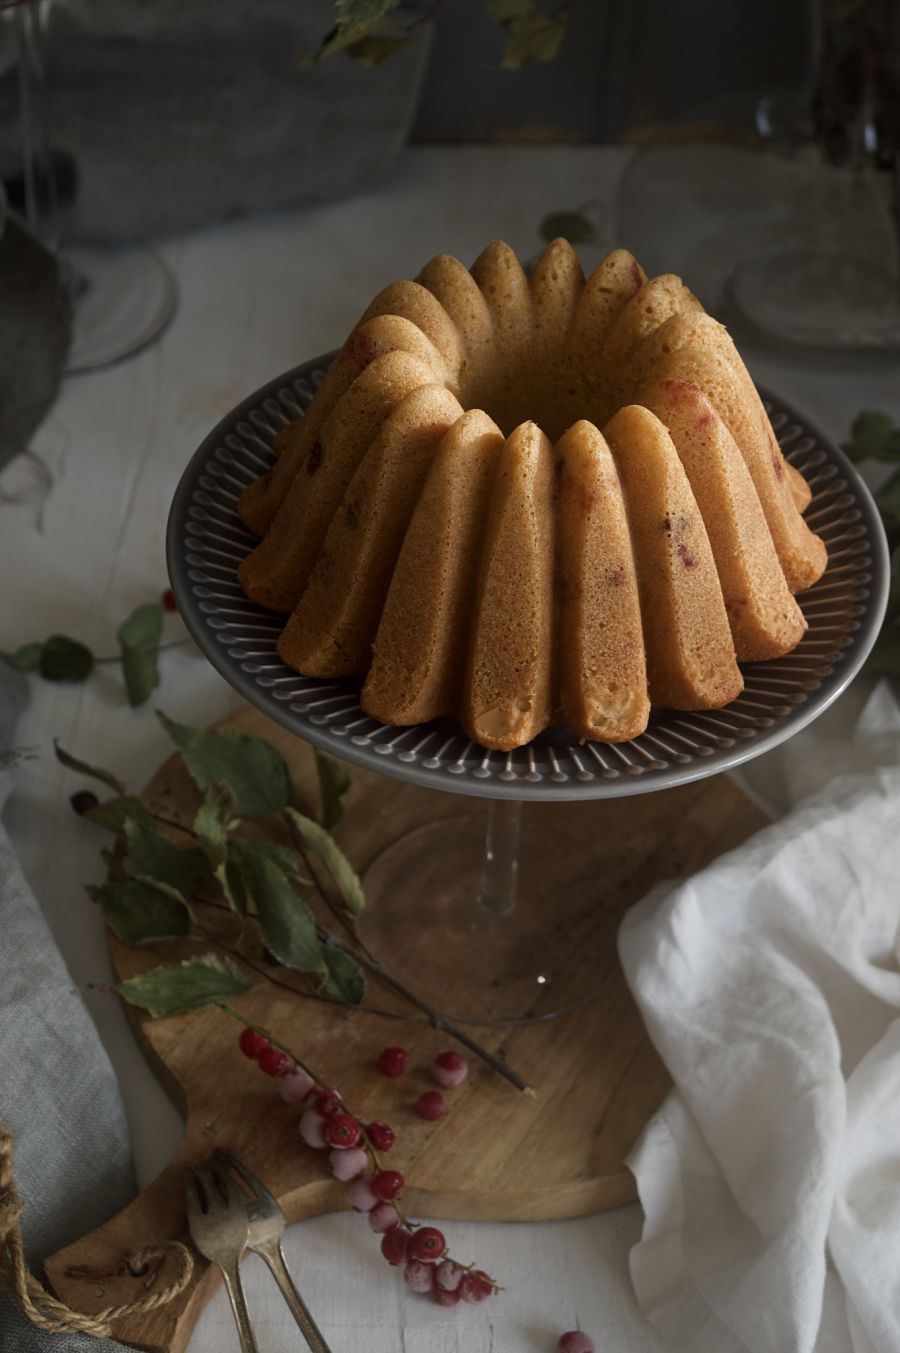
58	1091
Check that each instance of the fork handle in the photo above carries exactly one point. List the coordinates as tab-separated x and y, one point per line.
274	1257
235	1290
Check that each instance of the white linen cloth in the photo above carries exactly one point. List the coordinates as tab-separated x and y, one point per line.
770	983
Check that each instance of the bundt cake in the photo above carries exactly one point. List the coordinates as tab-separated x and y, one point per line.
449	522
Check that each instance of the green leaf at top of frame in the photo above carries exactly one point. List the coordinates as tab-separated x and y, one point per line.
528	34
179	988
139	638
253	769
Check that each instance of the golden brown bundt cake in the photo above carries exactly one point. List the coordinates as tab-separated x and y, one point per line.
530	500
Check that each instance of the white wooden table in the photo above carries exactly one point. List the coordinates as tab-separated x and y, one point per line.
255	298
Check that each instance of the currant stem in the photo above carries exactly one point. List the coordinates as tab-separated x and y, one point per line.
436	1019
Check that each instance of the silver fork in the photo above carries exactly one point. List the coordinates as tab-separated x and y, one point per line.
266	1223
219	1227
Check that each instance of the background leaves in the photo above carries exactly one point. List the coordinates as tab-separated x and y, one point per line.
254	771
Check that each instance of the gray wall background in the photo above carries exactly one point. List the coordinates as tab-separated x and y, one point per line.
624	63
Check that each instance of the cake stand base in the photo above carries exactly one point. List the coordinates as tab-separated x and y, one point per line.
544	951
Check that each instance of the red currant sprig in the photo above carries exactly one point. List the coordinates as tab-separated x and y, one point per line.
354	1147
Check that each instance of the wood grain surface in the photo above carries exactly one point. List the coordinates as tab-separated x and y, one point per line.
498	1154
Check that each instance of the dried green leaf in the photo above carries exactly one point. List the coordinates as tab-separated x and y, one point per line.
71	762
286	924
27	658
154	858
114	814
65	659
317	839
357	22
138	911
252	768
212	822
208	980
334	782
873	436
345	979
571	225
139	638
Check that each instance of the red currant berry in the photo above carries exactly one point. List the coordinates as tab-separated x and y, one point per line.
252	1044
347	1165
168	600
428	1244
381	1135
361	1197
444	1298
326	1103
393	1061
310	1129
575	1342
342	1131
395	1245
384	1217
274	1062
432	1105
448	1275
449	1069
419	1276
83	801
386	1184
295	1087
476	1286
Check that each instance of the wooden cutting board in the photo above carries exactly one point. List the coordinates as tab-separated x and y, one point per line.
597	1061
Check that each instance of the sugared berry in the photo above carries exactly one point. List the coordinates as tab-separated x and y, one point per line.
311	1129
326	1103
444	1298
575	1342
449	1069
361	1196
428	1244
168	600
384	1217
419	1276
476	1286
386	1184
342	1131
274	1062
448	1275
252	1044
296	1085
347	1165
393	1061
395	1245
381	1135
83	801
432	1105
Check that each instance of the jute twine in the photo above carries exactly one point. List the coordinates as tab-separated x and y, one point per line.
39	1305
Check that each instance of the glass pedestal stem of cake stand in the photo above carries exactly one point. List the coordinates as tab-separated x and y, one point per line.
500	867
